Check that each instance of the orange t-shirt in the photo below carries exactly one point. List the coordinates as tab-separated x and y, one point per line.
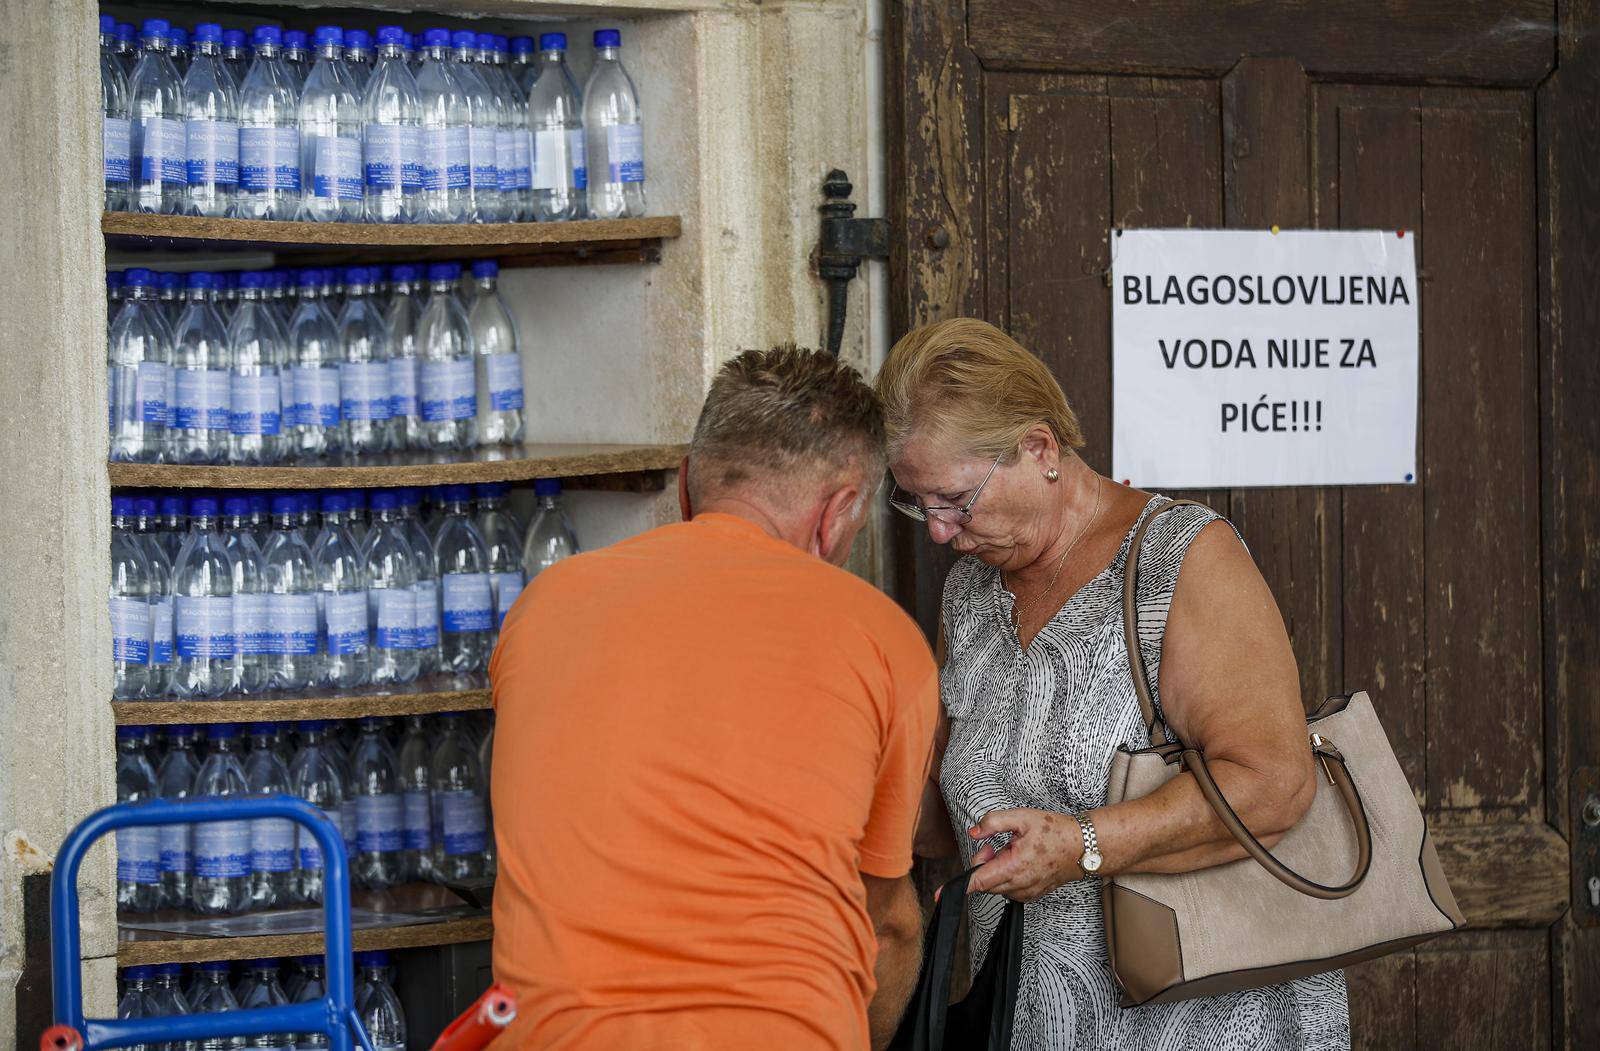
703	736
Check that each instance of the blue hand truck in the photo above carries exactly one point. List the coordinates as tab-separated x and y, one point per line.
334	1015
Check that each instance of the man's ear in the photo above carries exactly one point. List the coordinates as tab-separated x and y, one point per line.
685	508
838	524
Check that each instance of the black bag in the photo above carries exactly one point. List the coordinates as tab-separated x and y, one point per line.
981	1022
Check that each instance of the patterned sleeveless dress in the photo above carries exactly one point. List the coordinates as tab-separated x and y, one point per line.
1038	729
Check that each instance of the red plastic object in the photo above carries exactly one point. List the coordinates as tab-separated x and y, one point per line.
61	1038
478	1024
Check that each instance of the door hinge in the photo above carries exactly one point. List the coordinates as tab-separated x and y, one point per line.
1585	802
844	243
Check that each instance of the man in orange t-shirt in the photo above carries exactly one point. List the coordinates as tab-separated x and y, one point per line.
710	746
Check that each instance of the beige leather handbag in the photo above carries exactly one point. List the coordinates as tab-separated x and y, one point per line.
1356	878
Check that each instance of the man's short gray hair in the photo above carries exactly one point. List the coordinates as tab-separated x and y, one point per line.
786	415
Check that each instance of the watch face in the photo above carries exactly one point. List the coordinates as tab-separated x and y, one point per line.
1091	861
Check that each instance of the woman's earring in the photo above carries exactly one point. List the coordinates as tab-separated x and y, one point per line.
1052	475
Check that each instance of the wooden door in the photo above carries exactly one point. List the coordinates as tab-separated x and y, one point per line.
1469	603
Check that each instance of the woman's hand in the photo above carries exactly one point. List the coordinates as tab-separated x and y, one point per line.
1043	853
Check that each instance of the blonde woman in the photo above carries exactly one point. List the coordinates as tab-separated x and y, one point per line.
1037	694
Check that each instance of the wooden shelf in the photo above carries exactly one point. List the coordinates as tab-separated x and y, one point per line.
514	244
292	709
452	924
630	468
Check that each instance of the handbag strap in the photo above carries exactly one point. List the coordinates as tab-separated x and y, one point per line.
1331	759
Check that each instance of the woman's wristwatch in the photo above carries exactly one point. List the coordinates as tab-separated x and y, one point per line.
1092	859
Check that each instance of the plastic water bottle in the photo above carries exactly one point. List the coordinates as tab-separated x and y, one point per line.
343	596
521	68
295	56
366	403
381	1014
555	118
169	293
202	611
151	539
380	810
138	368
400	319
114	295
211	114
200	369
178	49
499	365
358	57
126	49
447	391
272	839
221	848
171	527
483	122
235	54
467	598
265	991
613	133
513	149
250	631
269	136
330	135
294	646
315	777
457	801
391	570
356	517
425	595
135	1001
211	995
313	987
175	780
156	141
255	388
138	849
446	160
131	616
550	535
347	811
168	1001
391	114
115	126
415	758
503	536
315	353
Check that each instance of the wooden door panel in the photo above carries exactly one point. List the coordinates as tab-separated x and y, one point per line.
1486	990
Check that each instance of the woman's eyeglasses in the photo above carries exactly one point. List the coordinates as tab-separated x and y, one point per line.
908	505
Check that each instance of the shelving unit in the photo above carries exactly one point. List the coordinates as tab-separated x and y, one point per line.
288	709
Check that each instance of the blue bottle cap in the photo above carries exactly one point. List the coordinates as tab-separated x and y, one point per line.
139	277
169	968
337	503
436	38
201	279
522	45
457	494
410	496
547	487
266	35
131	733
311	724
262	729
258	503
169	279
357	40
485	41
294	38
391	35
139	972
373	958
114	279
403	272
357	498
323	36
154	28
439	271
214	967
463	38
209	32
284	504
174	505
552	41
145	505
108	25
385	499
125	32
279	276
310	278
235	505
253	279
485	268
410	42
218	731
310	961
122	505
492	490
305	501
264	963
179	729
233	38
202	506
607	38
178	36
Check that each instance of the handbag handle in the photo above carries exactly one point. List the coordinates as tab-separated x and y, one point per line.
1194	760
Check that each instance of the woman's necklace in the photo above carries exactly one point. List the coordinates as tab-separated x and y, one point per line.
1018	612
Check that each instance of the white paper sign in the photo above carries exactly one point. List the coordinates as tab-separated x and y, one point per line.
1248	358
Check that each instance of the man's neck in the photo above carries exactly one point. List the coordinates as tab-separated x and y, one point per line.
791	533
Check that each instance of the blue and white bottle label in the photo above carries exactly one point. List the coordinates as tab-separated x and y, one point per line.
177	848
625	152
394	157
446	162
252	634
203	627
130	630
212	152
151	392
202	399
316	396
505	381
481	148
521	159
448	390
272	843
158	146
418	820
507	586
380	823
394	610
253	407
364	390
426	593
292	624
505	160
347	825
402	386
117	146
138	854
221	849
468	602
269	159
459	822
161	631
347	621
337	171
310	853
578	152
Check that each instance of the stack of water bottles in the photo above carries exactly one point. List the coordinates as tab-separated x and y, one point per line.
246	594
467	128
352	363
160	991
411	802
